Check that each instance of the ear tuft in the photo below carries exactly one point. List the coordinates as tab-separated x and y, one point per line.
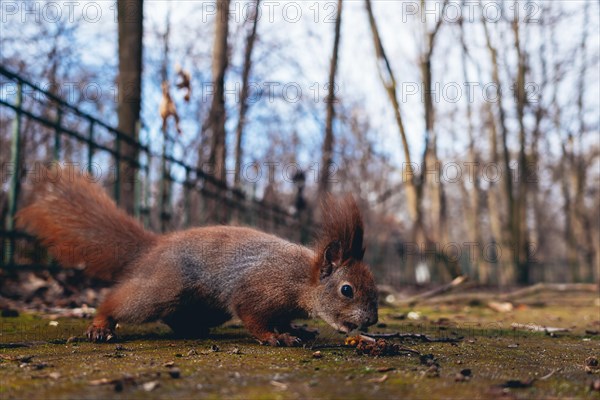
333	253
342	233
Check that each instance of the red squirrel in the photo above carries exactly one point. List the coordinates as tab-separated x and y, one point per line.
201	277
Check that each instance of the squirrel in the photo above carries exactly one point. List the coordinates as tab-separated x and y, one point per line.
199	278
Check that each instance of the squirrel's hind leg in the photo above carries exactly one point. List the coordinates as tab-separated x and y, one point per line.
103	326
102	329
131	301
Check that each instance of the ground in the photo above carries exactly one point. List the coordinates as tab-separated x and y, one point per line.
45	357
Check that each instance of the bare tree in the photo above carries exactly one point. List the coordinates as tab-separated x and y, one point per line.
472	195
327	152
386	74
414	181
245	92
508	267
215	124
430	156
520	230
581	252
552	136
130	21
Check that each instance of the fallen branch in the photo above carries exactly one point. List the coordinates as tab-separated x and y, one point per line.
517	294
537	328
551	287
17	345
456	282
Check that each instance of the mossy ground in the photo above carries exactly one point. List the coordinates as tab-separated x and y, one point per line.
243	369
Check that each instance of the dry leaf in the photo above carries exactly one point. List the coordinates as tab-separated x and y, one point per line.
502	307
279	385
98	382
150	386
54	375
167	108
379	380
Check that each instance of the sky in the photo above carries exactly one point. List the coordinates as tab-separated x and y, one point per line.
307	29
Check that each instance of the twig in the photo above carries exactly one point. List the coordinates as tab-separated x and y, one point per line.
408	350
543	378
418	336
330	346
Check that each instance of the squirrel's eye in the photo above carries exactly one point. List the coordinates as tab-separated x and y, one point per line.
347	291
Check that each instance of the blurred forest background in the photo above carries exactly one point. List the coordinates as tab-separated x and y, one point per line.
467	131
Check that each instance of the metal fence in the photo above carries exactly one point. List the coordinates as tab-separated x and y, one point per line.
168	192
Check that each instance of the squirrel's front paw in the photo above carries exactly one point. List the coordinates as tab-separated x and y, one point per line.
304	332
282	339
100	333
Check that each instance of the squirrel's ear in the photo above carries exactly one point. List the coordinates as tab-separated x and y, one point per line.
332	257
357	248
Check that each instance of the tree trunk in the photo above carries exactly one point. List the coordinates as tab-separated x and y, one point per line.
327	152
536	195
494	203
165	183
215	125
521	236
389	82
430	160
508	268
583	225
473	196
130	21
244	95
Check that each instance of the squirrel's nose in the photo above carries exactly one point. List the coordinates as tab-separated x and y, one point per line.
370	321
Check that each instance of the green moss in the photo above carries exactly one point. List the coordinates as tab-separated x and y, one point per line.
491	349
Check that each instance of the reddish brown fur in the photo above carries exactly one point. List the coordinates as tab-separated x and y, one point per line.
105	241
199	278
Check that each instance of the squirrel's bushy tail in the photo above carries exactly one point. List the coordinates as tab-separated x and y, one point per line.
81	225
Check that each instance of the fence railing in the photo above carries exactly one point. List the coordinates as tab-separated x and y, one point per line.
76	136
169	192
